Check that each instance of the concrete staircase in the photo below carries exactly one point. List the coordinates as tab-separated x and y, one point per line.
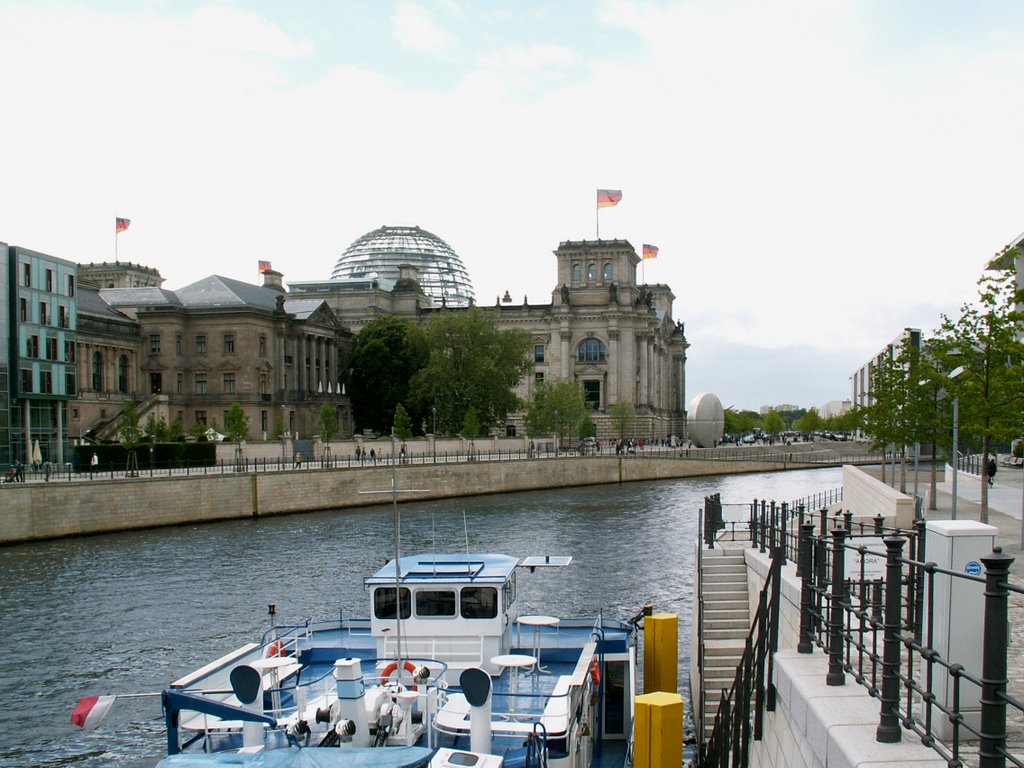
725	624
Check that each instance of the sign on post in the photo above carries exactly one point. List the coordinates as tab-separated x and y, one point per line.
874	561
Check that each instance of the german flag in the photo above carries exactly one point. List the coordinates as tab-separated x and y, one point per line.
606	198
120	225
650	251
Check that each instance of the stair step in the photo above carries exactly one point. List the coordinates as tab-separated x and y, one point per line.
723	647
713	624
719	578
719	612
726	634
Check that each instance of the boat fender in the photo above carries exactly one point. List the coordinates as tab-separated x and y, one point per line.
595	673
275	649
408	666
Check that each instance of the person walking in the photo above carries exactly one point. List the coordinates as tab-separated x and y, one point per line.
94	464
298	460
991	471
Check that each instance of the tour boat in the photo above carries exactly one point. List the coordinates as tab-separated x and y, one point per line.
444	672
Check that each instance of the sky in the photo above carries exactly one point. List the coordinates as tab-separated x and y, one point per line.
816	175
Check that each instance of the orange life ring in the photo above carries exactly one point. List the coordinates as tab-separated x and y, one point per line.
408	666
276	648
595	672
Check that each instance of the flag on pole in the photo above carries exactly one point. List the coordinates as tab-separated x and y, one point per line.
265	267
120	225
650	251
91	710
608	197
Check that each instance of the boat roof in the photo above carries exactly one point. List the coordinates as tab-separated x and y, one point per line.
441	568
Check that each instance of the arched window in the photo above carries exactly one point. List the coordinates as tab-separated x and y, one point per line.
122	374
590	351
591	271
577	273
607	271
97	372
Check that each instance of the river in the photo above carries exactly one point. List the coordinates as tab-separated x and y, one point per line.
129	612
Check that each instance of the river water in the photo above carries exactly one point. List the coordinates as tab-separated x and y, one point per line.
129	612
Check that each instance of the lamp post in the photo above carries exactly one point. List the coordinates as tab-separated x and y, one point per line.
433	430
956	447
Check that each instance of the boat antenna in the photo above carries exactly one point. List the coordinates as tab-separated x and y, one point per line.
465	533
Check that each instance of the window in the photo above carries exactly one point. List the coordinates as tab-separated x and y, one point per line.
97	371
49	280
46	382
23	310
263	344
62	317
69	351
538	377
154	343
71	285
263	421
229	383
201	417
32	346
51	349
181	383
74	412
229	343
200	383
538	353
122	374
577	273
26	379
26	276
200	345
384	603
156	383
44	313
591	271
264	384
435	602
478	602
591	351
177	343
592	394
607	271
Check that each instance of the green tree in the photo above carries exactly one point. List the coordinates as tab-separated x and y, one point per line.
740	422
809	422
987	337
198	431
156	430
773	423
386	355
471	364
327	422
470	424
890	419
131	434
236	424
622	414
403	423
556	406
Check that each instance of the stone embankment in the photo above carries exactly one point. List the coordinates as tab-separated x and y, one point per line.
40	510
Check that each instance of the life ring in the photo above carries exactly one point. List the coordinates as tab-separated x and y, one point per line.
275	649
408	666
595	673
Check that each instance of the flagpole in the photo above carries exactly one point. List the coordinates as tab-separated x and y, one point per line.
597	220
116	233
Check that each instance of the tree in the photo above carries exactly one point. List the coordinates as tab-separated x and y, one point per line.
556	406
987	342
131	435
403	423
386	355
740	422
236	424
773	423
327	422
471	364
622	414
890	419
809	422
470	424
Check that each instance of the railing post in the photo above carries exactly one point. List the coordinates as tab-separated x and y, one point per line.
993	661
848	521
764	512
920	528
837	592
805	644
879	523
753	524
889	731
778	558
782	532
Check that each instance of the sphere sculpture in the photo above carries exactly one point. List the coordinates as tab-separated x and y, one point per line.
705	421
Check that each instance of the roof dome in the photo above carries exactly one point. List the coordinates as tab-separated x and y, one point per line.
381	252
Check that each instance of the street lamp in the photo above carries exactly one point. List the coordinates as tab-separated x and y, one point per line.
956	448
433	430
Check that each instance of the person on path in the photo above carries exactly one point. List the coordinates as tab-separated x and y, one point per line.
94	464
298	460
991	471
373	456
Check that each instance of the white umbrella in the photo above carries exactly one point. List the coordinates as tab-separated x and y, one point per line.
37	455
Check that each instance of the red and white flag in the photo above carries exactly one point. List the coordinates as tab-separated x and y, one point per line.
91	710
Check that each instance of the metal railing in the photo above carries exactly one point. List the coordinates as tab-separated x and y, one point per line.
871	608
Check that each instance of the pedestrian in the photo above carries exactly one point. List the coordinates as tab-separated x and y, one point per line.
298	460
94	464
373	456
991	471
47	468
402	454
19	471
359	455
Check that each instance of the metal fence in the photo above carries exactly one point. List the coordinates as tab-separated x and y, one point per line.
876	622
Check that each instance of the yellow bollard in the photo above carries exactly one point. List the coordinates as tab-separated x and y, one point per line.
658	731
661	653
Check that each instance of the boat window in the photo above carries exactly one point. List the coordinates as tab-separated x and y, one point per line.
435	602
384	603
479	602
508	591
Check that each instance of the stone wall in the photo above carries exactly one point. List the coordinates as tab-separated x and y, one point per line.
33	511
868	497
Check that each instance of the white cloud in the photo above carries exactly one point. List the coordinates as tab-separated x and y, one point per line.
416	30
228	29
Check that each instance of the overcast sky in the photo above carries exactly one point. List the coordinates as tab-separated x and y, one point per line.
817	174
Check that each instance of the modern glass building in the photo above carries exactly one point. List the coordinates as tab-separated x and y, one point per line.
380	254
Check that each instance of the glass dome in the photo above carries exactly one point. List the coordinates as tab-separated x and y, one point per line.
381	252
